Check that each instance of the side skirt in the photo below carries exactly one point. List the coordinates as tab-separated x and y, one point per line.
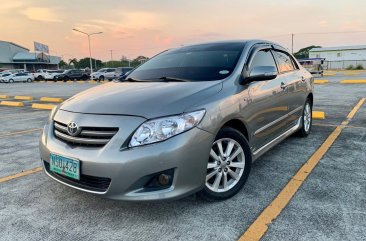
257	153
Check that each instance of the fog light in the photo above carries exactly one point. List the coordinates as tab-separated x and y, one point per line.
164	179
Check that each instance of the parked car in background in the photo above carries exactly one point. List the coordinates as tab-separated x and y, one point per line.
105	73
72	74
51	74
40	74
3	75
191	119
313	65
18	77
122	72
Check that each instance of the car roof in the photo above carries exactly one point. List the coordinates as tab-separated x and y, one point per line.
243	42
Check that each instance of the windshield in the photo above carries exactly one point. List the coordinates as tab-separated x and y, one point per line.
204	62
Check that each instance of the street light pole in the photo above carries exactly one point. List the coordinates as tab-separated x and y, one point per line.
90	55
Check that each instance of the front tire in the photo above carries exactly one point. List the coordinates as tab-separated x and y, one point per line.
306	120
228	166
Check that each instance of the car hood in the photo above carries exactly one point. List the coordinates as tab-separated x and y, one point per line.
145	99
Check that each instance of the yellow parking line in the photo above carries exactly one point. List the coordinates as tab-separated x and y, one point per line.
51	99
4	96
23	97
320	115
260	226
321	81
12	103
354	81
19	132
21	174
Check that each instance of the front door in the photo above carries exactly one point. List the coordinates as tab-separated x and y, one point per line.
268	108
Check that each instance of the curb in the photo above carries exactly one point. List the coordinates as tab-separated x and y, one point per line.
12	103
23	97
4	96
51	99
354	81
321	81
319	115
43	106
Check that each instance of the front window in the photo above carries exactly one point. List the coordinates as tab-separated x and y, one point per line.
204	62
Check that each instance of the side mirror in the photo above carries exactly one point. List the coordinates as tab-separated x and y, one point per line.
261	73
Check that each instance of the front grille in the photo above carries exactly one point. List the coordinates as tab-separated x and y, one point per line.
89	136
91	183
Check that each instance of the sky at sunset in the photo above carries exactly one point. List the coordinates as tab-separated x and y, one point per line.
146	27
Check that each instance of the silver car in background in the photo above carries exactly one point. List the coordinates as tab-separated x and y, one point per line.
189	120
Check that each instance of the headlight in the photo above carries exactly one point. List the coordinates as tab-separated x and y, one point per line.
163	128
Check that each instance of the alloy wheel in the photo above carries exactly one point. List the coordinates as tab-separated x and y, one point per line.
307	117
225	166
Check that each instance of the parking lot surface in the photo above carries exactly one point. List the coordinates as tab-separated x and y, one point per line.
330	204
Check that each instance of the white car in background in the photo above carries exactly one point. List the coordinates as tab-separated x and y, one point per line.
18	77
51	74
105	73
40	74
3	75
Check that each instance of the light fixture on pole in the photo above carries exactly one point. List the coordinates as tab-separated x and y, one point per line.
88	34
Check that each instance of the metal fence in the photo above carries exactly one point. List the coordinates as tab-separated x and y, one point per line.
343	64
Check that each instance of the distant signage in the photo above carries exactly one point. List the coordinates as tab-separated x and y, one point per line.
41	47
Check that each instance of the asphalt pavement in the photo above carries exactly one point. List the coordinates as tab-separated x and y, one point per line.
330	205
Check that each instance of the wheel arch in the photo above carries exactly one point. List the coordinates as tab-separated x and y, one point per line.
311	98
238	125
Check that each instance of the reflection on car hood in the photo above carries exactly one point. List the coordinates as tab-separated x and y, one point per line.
146	99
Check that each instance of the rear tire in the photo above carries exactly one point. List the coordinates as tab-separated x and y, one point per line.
228	165
29	80
306	120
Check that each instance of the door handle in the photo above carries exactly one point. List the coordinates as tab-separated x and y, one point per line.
303	79
283	85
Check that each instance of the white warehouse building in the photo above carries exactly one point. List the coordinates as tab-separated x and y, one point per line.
341	57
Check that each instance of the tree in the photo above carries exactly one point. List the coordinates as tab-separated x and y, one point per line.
113	64
63	64
304	52
73	62
139	60
85	63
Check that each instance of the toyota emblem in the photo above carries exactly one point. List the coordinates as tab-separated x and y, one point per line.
73	129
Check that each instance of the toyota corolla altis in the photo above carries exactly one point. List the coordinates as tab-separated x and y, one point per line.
189	120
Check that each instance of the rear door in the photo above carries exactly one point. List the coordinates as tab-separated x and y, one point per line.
268	107
295	84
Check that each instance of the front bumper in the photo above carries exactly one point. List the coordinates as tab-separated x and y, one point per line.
186	154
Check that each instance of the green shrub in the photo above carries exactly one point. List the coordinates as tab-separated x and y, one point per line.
350	67
359	67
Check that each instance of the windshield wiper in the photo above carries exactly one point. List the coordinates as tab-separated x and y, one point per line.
161	79
168	79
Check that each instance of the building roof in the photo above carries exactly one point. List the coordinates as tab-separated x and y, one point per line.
25	56
14	44
353	47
